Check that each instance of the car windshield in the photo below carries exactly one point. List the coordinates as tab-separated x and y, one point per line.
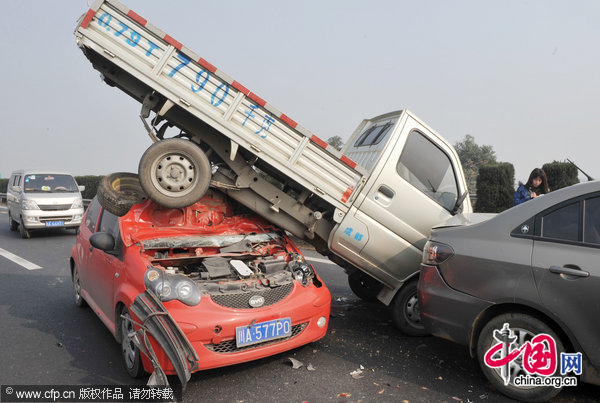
49	183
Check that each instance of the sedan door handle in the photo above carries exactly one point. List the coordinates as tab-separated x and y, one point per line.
569	271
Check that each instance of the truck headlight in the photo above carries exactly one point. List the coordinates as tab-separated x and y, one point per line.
27	204
168	287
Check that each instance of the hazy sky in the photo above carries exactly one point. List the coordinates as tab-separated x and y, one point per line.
521	76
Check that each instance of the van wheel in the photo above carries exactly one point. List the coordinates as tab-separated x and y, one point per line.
119	191
525	328
364	286
405	311
175	173
13	225
129	351
25	234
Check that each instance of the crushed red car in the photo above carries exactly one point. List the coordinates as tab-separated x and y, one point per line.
195	288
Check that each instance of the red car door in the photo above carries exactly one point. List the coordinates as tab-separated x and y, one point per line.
83	247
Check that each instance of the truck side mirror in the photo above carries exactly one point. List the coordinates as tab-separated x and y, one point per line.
16	189
81	188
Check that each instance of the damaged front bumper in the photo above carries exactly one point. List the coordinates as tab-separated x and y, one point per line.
155	320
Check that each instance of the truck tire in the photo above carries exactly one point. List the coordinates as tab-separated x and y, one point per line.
118	191
405	310
364	286
175	173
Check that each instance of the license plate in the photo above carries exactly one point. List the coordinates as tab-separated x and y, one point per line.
55	223
263	331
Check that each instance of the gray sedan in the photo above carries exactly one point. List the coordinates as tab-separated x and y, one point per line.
522	290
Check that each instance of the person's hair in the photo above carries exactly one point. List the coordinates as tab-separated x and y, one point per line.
538	173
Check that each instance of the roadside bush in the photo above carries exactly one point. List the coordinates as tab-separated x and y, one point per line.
91	185
3	185
495	187
560	174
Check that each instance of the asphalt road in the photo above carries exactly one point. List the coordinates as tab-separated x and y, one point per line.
47	340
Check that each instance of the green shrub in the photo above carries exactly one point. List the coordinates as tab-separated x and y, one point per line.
91	185
560	174
495	187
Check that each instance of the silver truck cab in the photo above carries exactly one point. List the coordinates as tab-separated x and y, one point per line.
39	199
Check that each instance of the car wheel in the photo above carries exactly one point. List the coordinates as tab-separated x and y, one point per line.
131	354
25	234
525	327
175	172
119	191
406	314
79	301
364	286
13	225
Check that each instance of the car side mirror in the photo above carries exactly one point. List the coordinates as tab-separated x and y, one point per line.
103	241
16	189
81	188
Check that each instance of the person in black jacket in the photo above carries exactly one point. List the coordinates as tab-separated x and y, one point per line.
536	185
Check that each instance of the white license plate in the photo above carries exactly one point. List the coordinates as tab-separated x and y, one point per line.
55	223
263	331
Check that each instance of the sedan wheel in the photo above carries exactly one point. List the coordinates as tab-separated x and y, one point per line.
525	328
79	301
130	352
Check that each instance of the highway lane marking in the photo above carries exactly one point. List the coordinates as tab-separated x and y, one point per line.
19	260
316	259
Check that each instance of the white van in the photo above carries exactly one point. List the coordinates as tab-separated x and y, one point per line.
40	199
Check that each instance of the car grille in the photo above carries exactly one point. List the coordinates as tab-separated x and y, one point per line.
229	346
239	300
54	207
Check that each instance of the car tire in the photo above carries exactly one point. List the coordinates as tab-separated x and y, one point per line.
13	225
129	351
405	312
24	232
175	173
364	286
79	301
119	191
525	327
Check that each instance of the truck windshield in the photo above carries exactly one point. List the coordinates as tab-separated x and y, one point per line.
49	183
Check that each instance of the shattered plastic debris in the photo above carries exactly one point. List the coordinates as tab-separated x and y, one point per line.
310	367
344	395
295	363
357	374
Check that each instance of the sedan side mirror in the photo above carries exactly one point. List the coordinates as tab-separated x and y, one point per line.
103	241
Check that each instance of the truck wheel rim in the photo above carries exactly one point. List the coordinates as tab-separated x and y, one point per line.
174	175
126	344
413	313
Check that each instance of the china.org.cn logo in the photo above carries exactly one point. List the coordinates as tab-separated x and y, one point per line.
536	360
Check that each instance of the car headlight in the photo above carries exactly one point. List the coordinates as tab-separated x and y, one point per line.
435	253
27	204
77	204
168	287
302	272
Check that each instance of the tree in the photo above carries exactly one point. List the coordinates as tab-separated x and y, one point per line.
336	141
473	156
495	188
560	174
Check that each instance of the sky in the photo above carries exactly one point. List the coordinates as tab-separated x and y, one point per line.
521	76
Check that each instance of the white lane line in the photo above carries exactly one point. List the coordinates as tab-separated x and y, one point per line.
19	260
317	259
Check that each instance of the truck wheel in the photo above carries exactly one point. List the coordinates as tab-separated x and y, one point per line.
25	234
13	225
131	354
525	327
175	172
364	286
405	312
119	191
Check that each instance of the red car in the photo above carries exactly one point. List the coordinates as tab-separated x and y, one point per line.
189	289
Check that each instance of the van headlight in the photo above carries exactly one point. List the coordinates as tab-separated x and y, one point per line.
77	204
27	204
168	287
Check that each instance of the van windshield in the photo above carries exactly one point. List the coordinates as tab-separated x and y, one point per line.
49	183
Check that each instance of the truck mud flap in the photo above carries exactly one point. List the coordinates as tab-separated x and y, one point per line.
160	324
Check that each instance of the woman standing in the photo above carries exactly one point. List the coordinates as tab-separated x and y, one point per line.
536	185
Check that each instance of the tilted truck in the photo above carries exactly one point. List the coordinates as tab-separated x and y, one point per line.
369	208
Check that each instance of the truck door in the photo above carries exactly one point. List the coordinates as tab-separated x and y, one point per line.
414	188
